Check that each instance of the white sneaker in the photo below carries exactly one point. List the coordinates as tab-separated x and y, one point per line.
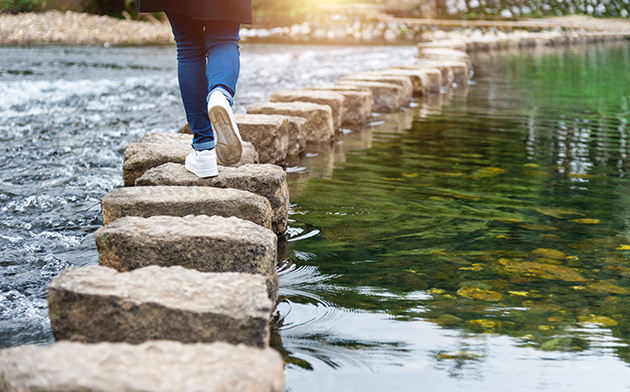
202	163
227	138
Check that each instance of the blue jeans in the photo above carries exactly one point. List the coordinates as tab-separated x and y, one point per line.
208	59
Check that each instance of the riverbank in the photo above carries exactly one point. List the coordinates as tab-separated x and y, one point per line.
86	29
80	29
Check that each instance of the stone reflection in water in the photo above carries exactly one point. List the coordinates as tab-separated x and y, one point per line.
510	225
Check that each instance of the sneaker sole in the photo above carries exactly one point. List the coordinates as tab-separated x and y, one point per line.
228	146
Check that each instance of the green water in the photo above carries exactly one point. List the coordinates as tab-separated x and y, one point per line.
481	246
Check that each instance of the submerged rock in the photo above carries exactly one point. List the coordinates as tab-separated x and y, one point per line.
477	293
538	270
549	253
159	366
96	304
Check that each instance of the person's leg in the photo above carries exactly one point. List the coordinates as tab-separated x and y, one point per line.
223	55
193	82
222	71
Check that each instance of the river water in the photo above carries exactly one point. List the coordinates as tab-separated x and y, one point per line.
474	241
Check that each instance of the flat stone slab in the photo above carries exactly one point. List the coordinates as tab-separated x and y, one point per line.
98	304
357	104
158	148
329	98
387	97
158	366
425	80
268	134
269	181
320	126
403	81
433	53
452	71
204	243
185	200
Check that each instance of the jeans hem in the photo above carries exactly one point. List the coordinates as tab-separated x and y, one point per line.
203	146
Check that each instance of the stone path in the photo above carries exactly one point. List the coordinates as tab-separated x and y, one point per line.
193	260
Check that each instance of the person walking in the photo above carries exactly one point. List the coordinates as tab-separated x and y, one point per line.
208	64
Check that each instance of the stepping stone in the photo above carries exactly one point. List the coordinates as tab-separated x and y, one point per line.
387	97
268	134
149	201
204	243
158	148
329	98
320	126
158	366
98	304
458	69
357	104
433	53
266	180
401	80
425	81
297	134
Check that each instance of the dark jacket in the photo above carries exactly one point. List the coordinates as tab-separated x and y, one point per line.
236	10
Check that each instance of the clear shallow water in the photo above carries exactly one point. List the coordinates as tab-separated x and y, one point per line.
480	246
412	259
66	114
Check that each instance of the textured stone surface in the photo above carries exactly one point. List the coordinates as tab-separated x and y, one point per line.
403	81
320	126
204	243
297	134
268	134
357	104
387	97
459	69
433	53
452	71
98	304
158	148
159	366
425	81
329	98
182	201
266	180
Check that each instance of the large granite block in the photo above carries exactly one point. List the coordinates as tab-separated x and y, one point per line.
158	148
434	53
400	80
387	97
185	200
98	304
357	104
159	366
204	243
320	126
266	180
268	134
452	71
329	98
425	81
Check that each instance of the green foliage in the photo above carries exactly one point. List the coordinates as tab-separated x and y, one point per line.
21	5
